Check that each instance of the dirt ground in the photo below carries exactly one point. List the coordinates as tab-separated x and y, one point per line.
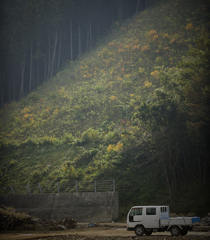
104	231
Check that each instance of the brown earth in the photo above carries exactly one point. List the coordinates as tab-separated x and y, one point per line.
20	226
103	231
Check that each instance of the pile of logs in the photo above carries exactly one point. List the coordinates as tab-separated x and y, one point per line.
10	219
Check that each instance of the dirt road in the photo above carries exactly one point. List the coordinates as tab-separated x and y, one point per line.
101	232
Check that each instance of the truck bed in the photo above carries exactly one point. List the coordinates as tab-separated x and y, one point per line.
179	221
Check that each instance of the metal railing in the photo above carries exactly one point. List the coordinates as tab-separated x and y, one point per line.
63	186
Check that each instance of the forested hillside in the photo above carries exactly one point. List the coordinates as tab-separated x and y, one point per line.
39	37
134	109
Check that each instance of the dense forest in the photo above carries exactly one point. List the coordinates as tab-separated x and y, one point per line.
130	102
39	37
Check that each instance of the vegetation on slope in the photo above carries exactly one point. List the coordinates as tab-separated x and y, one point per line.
135	109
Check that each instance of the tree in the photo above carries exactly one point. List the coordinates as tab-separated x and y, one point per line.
37	36
195	78
176	118
19	40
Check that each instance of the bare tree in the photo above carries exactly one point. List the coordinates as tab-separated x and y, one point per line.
137	8
71	41
79	37
53	57
59	55
90	37
31	65
23	63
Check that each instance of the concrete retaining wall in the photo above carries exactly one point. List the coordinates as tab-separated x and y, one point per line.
82	207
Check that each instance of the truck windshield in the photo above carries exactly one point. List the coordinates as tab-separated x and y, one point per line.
136	211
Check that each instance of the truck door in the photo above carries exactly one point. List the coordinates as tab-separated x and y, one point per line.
151	219
136	215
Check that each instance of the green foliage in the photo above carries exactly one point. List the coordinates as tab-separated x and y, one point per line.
90	135
53	95
136	111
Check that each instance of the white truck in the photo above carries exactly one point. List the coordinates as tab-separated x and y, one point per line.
148	219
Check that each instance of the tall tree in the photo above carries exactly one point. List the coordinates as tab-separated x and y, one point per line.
28	36
71	39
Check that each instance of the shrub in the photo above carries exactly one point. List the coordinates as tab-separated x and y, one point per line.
146	47
90	135
151	35
189	26
112	44
110	148
166	35
154	74
159	60
98	88
53	95
34	96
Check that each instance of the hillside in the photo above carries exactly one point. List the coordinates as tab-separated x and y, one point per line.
134	109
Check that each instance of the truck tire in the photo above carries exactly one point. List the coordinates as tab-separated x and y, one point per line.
175	231
139	230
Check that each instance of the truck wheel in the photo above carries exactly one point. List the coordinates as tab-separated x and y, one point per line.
184	232
148	232
175	231
139	230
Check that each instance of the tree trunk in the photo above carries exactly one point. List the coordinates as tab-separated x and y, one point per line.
31	65
2	96
33	82
98	30
172	164
37	73
13	87
49	59
9	90
137	8
79	43
90	37
205	166
1	91
87	40
71	44
59	54
120	11
22	79
53	57
45	69
166	176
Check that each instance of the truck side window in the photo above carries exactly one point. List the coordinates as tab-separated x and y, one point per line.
163	209
151	211
138	211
